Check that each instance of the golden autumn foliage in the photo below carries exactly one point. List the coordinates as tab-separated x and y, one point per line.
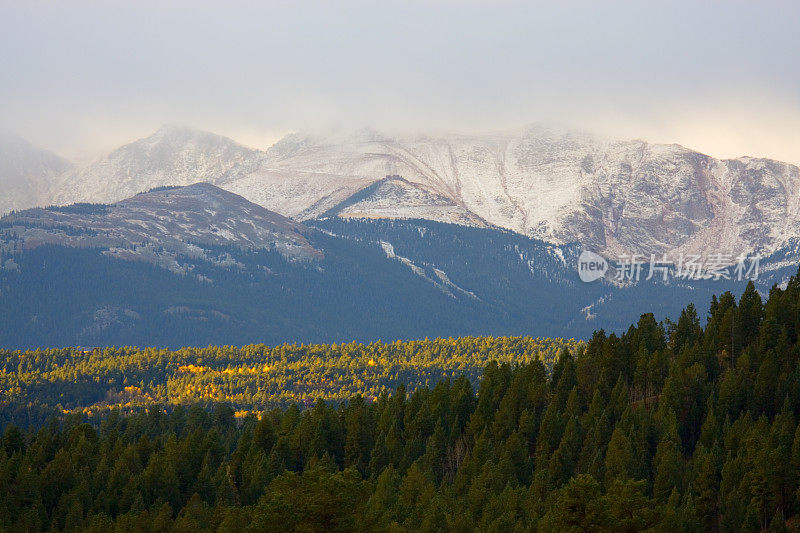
251	377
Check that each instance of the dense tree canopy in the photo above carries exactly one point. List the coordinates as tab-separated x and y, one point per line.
35	384
669	426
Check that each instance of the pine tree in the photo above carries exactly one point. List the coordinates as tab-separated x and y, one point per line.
580	507
706	488
619	457
630	509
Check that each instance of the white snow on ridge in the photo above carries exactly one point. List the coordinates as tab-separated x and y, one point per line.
388	249
171	156
167	223
441	280
560	186
619	197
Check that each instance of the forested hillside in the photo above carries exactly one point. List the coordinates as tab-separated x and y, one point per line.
378	279
668	427
92	381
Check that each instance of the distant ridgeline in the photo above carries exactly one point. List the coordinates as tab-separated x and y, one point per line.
667	427
96	280
92	381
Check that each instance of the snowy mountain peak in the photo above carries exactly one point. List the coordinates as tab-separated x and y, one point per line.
171	156
562	186
181	135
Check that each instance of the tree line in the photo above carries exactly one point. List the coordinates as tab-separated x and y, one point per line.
35	384
669	426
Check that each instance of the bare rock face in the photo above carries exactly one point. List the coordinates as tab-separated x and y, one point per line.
616	197
162	226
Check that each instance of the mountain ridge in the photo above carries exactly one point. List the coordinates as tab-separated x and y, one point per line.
615	197
173	155
161	226
182	265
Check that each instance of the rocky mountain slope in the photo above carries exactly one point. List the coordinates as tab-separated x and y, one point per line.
198	265
171	156
617	197
170	227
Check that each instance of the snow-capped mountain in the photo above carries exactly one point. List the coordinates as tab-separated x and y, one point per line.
617	197
395	197
614	196
171	156
170	227
26	173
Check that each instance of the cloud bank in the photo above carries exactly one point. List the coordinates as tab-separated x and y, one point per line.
718	77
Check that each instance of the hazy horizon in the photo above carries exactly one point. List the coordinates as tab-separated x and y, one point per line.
83	78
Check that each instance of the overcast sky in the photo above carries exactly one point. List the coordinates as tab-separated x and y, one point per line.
720	77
